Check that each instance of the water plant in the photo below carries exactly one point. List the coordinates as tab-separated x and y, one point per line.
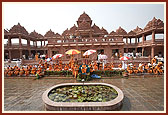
92	93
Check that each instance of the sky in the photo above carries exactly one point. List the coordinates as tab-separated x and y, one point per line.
42	17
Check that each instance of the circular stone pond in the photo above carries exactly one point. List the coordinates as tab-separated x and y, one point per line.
79	97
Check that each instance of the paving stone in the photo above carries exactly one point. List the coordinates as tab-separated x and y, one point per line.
141	94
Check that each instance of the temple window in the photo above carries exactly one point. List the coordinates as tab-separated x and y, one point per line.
5	41
46	42
124	40
23	41
140	39
159	36
15	41
132	40
38	43
31	43
149	37
58	41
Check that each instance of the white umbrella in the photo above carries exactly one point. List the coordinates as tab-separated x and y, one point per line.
124	58
57	55
88	52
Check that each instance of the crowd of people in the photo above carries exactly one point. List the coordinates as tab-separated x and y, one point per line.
154	67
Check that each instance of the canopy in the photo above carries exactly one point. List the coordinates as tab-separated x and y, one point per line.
72	52
88	52
124	58
57	55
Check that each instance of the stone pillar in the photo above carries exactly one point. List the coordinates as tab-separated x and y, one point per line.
135	50
126	50
127	40
152	52
130	40
29	52
153	36
9	41
142	51
20	42
20	53
44	42
143	38
135	40
41	43
10	57
28	42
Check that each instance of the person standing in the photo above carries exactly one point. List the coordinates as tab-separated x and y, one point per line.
36	57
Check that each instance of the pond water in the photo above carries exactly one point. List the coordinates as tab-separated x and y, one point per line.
80	93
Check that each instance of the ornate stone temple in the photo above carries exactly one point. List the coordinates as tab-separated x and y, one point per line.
148	41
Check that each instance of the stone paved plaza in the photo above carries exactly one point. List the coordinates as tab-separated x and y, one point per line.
141	94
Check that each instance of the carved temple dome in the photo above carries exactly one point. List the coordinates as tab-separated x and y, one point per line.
50	33
156	23
84	25
113	33
65	32
73	29
104	31
35	34
85	17
131	33
96	29
18	29
121	31
137	30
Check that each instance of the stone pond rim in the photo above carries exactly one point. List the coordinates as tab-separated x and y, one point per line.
114	104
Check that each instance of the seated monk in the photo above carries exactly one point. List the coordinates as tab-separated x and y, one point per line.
33	71
6	71
155	71
29	67
60	61
66	68
50	67
21	71
84	68
100	66
95	67
55	67
140	69
105	68
128	67
39	70
17	70
91	69
11	71
45	65
27	72
150	70
153	60
120	65
60	67
130	71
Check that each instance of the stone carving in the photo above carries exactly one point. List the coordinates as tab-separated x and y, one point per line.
154	23
121	31
35	34
137	30
18	29
50	33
